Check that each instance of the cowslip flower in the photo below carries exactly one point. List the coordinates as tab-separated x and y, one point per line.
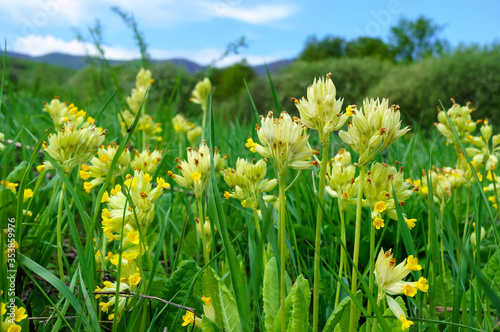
482	155
201	92
208	310
100	165
205	229
196	169
181	124
193	135
340	180
374	127
122	301
146	161
72	146
11	185
321	111
462	121
284	140
389	279
377	188
142	198
248	182
62	113
142	83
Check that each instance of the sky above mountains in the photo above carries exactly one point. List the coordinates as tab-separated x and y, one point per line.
200	30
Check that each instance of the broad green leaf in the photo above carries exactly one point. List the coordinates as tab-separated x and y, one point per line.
492	271
443	293
226	311
174	290
299	283
341	315
208	325
300	319
270	293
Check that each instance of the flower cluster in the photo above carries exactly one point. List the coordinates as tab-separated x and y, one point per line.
374	127
100	165
283	140
16	315
196	169
146	161
248	183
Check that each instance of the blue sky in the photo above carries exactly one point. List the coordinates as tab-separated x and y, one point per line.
200	30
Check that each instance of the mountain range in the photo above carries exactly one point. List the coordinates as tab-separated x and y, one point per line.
78	62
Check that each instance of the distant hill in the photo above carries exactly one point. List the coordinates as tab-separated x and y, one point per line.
78	62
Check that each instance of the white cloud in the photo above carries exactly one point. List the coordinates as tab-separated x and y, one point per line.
256	15
36	45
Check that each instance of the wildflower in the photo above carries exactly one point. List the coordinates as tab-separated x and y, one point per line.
20	314
378	190
181	124
189	318
11	185
462	121
251	145
374	127
410	223
321	111
207	229
71	146
340	182
142	83
378	223
61	114
195	171
99	166
146	161
142	198
111	287
285	142
248	182
482	155
201	92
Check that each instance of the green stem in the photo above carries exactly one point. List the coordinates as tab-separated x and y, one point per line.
317	246
354	285
180	146
342	252
372	268
257	226
282	235
466	227
442	244
374	328
59	234
203	123
203	238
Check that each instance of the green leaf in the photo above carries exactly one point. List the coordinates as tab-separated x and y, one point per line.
208	325
302	284
337	328
443	293
491	271
270	293
174	290
394	324
341	315
226	311
17	174
300	319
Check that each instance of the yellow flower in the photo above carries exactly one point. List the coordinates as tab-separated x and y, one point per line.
413	264
14	328
28	193
188	318
378	223
349	110
251	144
134	279
162	184
227	194
380	206
11	185
133	236
405	323
409	290
206	300
422	285
40	168
105	197
20	314
410	223
196	176
201	92
116	190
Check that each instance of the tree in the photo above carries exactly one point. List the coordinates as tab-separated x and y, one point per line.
328	47
412	41
368	47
